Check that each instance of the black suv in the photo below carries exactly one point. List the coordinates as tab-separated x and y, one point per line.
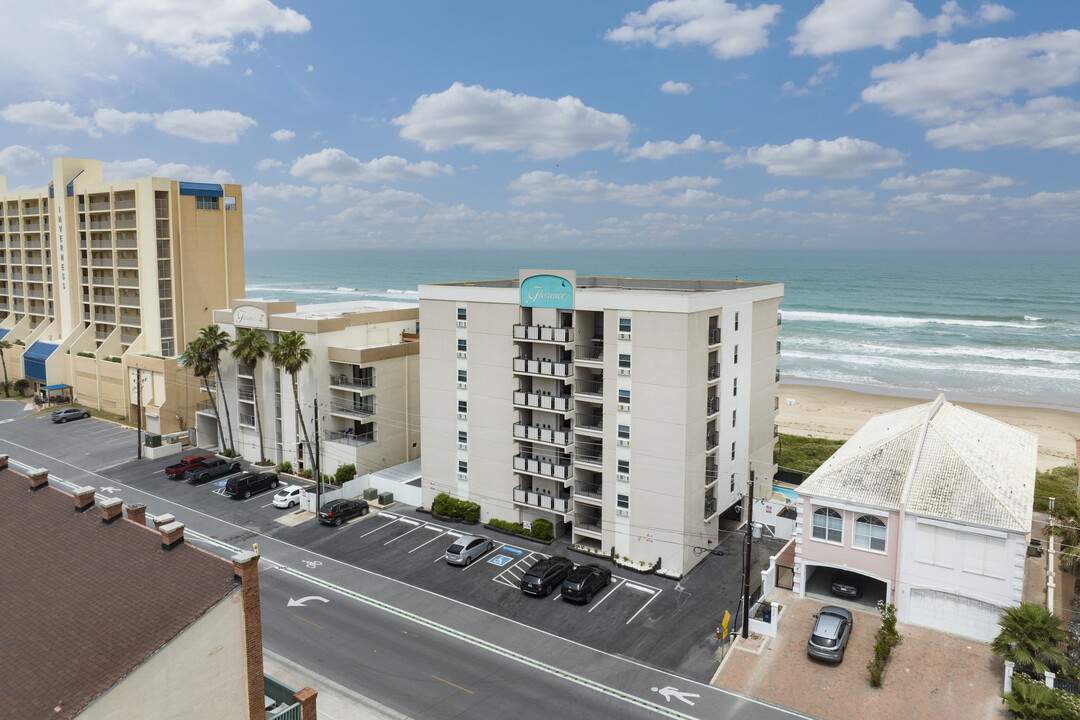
584	581
336	512
545	575
215	467
249	483
64	414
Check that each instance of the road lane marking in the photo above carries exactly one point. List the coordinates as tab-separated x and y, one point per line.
450	683
308	621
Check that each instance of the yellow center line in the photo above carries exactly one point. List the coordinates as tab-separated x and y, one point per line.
450	683
308	621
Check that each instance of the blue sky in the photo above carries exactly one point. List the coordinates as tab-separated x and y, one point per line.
682	123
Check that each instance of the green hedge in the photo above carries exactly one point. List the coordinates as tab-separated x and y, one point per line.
344	473
448	506
285	467
540	529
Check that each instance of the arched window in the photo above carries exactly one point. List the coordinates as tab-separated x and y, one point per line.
870	533
828	525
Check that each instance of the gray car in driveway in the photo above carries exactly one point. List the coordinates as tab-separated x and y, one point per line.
832	630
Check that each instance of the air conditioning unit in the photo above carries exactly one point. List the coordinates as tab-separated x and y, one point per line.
624	442
462	476
622	477
625	407
463	446
624	336
624	371
462	353
463	385
463	416
462	323
622	513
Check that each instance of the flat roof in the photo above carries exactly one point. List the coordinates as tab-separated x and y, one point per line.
616	283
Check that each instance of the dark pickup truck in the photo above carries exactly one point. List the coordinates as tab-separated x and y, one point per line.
215	467
177	470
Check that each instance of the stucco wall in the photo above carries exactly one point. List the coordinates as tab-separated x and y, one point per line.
820	552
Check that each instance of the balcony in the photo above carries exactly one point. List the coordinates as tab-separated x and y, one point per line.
349	437
32	244
712	405
589	457
561	469
246	393
128	301
590	526
589	390
712	439
710	508
546	435
105	317
128	338
247	420
356	412
711	476
714	372
99	225
344	382
125	224
592	355
561	504
714	336
128	243
544	368
127	262
98	206
589	425
555	403
124	204
589	493
124	281
544	333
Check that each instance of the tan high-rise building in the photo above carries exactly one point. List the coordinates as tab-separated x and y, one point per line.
628	413
101	278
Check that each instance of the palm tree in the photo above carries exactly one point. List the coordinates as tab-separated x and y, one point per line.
291	354
5	345
195	358
249	347
1031	637
215	341
1032	700
1065	525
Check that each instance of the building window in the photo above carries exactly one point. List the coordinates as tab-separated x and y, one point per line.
623	466
732	451
624	360
734	386
777	347
462	467
230	203
622	502
984	555
462	406
462	376
732	418
463	437
735	356
624	432
732	489
870	533
736	320
935	545
624	325
624	397
461	314
462	345
828	525
206	203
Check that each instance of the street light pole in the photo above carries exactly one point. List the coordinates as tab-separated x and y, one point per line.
318	470
749	545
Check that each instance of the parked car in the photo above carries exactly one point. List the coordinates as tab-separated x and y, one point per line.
848	584
288	496
248	484
62	415
177	470
545	575
468	548
831	633
211	468
584	581
336	512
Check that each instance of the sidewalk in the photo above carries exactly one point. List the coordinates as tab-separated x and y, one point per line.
335	702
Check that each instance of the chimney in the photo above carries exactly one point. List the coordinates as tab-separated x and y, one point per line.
246	567
38	478
111	509
161	520
84	498
136	513
172	535
3	462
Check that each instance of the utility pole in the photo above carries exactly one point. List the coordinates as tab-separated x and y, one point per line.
318	470
138	413
749	543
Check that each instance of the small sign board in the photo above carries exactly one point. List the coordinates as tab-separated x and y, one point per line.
727	619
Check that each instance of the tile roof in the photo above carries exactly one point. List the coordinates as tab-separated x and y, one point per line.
84	603
937	460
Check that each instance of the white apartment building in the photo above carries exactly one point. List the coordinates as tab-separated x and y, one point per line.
630	413
363	373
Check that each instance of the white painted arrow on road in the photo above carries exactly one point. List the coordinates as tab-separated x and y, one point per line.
669	692
108	489
301	601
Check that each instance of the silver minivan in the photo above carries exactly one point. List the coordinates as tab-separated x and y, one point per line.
468	548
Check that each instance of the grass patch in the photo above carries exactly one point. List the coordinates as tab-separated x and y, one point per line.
111	417
1059	483
804	454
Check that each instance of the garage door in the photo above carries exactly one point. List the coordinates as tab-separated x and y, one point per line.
955	614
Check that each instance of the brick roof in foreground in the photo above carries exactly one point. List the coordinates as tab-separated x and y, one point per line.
83	603
937	460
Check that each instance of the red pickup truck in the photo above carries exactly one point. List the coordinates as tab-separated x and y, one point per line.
177	470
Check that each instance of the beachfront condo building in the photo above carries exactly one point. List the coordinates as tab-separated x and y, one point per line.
629	413
363	378
103	283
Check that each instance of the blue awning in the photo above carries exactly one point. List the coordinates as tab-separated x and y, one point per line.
34	360
3	333
201	189
55	387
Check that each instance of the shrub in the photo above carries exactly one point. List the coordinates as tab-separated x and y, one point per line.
542	529
284	467
344	473
307	473
449	506
539	529
84	353
886	639
229	453
21	385
113	358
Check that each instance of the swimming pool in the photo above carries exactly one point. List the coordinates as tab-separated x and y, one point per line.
786	492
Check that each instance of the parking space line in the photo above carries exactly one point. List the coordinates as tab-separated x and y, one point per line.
610	592
407	521
429	527
395	539
642	588
643	607
487	554
381	527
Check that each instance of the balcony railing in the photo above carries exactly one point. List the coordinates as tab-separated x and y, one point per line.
586	524
562	469
710	507
589	423
543	367
543	402
99	206
544	333
589	353
543	434
589	387
124	204
595	490
350	438
714	336
556	503
712	439
345	381
246	419
714	371
712	405
589	457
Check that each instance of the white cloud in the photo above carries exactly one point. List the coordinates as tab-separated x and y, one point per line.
283	135
46	114
118	122
214	126
665	148
280	193
843	157
310	68
268	164
249	72
837	26
198	31
828	71
784	195
1068	202
943	202
951	179
57	149
489	120
726	30
949	80
675	88
335	165
145	167
542	186
1047	123
989	13
16	158
850	197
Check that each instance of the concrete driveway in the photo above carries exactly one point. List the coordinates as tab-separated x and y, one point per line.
930	674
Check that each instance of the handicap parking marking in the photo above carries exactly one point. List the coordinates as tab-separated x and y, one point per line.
219	483
512	549
500	560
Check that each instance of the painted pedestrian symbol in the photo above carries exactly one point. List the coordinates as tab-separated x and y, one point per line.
669	692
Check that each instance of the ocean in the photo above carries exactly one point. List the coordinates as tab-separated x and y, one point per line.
989	327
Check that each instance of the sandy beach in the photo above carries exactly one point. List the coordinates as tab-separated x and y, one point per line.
836	413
